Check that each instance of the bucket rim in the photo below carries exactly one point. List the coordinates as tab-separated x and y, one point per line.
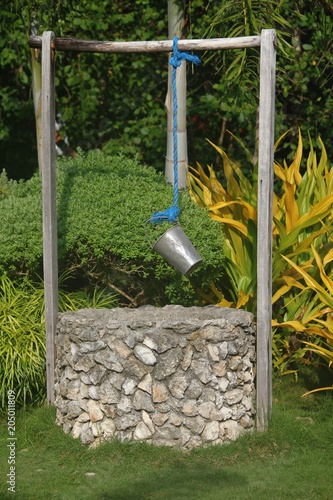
165	232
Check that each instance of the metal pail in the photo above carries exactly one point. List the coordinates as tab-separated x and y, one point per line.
178	250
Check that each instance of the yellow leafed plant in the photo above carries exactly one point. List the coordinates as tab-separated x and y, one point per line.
302	245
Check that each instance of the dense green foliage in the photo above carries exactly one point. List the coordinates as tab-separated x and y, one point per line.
103	204
304	95
22	336
116	101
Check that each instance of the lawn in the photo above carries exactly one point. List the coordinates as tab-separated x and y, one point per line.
292	460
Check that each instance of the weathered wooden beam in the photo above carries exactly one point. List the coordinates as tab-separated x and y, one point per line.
76	45
50	253
265	223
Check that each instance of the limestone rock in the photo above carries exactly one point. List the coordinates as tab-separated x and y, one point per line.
167	432
195	424
233	348
84	364
223	384
234	396
124	405
121	348
160	393
129	386
108	428
220	369
141	432
142	401
208	331
96	374
147	421
145	355
73	409
190	408
223	350
224	413
108	393
160	418
95	413
175	419
149	342
117	380
210	432
108	358
70	374
205	409
110	411
214	352
168	363
93	392
91	346
194	389
76	431
86	434
188	353
84	417
146	383
126	422
75	352
185	436
202	370
164	340
232	377
247	422
231	430
135	367
234	362
178	385
72	388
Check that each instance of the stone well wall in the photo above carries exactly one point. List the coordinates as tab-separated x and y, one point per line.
172	376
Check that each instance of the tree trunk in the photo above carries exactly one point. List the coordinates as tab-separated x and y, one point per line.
175	27
37	91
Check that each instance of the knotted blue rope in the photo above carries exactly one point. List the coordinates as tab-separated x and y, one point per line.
171	213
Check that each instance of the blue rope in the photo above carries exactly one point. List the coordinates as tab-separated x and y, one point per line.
171	213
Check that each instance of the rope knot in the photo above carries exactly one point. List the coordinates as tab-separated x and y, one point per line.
177	56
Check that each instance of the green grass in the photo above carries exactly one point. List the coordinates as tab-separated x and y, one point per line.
293	460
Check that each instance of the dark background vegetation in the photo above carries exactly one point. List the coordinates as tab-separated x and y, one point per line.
116	102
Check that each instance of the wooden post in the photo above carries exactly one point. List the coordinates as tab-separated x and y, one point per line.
50	257
176	16
265	223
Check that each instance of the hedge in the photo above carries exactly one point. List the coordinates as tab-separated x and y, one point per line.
103	203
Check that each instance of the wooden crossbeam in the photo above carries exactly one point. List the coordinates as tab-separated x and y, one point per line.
76	45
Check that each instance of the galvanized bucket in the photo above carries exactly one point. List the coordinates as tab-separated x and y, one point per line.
178	250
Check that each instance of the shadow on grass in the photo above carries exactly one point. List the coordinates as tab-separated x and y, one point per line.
188	483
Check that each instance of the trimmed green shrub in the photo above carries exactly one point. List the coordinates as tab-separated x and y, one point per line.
103	205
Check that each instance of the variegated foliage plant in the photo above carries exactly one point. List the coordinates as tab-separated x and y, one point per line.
302	248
